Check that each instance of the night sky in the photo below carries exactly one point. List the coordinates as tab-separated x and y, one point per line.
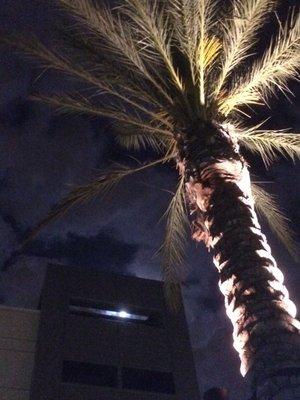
43	152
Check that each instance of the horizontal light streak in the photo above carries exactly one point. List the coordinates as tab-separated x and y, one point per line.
122	314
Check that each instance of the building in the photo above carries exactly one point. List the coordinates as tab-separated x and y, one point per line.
18	333
101	336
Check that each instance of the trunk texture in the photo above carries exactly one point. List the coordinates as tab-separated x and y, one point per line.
265	331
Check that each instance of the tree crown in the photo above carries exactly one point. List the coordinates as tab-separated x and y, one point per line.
161	68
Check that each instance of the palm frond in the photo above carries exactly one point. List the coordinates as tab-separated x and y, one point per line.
59	62
270	144
173	248
212	49
132	139
240	34
280	63
82	105
155	35
99	187
206	10
114	36
152	71
193	23
139	141
118	43
267	207
183	14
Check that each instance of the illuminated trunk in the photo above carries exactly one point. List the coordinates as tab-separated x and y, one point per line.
265	331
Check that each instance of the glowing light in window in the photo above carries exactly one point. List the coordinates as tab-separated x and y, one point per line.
123	314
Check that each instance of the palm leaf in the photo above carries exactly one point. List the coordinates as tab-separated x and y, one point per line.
154	74
205	15
280	63
138	141
173	248
128	136
239	34
211	51
184	16
118	43
123	93
270	144
267	207
82	105
193	22
155	35
114	36
99	187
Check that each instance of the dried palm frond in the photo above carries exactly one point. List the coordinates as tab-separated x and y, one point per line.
280	62
239	34
99	187
267	207
173	248
270	144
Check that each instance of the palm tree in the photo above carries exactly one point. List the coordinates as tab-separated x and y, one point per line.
180	77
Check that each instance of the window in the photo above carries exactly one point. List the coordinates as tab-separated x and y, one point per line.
149	381
107	376
90	374
94	309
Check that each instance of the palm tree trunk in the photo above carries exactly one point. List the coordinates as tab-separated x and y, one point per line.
265	331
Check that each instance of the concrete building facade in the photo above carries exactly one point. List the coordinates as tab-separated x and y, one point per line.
18	334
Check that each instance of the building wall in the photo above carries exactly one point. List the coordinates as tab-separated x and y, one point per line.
67	341
35	346
18	333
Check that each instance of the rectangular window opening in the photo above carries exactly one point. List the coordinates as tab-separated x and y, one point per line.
90	374
112	312
148	381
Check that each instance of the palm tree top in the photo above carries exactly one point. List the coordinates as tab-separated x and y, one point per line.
163	70
176	62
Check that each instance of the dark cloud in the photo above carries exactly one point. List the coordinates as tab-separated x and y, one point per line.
102	251
24	271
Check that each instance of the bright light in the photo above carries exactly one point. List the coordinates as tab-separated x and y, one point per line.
123	314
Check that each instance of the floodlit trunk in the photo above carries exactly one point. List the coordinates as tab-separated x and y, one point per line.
265	331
